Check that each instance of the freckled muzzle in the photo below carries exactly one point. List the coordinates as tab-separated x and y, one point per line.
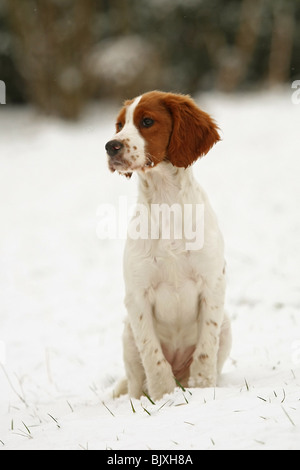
115	151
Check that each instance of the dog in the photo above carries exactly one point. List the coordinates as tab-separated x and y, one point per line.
176	332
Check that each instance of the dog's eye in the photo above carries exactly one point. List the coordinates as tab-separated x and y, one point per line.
147	122
119	126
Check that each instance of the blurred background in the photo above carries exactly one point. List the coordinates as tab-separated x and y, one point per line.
62	54
67	65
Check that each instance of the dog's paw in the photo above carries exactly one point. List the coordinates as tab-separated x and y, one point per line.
202	382
203	373
162	383
159	390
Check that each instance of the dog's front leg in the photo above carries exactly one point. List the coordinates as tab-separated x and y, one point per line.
204	368
158	372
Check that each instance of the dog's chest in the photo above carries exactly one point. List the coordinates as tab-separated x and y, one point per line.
173	284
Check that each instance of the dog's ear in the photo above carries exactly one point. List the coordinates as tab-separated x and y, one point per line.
194	131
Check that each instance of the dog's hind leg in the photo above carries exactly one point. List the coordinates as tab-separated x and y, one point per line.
225	343
121	388
134	383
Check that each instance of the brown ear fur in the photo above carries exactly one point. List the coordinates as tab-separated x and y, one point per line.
194	131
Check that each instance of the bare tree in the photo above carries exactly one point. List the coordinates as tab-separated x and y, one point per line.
281	42
52	38
236	59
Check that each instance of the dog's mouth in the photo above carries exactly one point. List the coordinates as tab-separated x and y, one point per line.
126	168
115	164
125	159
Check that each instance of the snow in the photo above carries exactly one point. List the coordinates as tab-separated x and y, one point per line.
62	289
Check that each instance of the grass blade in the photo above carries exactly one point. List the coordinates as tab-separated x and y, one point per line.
132	407
26	427
55	420
148	412
288	416
108	409
147	396
179	384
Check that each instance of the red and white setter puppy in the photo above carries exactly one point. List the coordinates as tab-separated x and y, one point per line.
176	331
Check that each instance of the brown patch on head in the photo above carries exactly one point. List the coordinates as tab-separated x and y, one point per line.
194	131
181	132
120	121
178	131
156	136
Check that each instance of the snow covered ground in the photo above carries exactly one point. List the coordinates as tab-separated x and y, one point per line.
61	297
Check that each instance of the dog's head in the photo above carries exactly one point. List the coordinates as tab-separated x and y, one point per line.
160	126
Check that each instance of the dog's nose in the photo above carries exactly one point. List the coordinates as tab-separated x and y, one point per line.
113	147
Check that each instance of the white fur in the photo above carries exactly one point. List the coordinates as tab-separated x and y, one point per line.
129	134
174	297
